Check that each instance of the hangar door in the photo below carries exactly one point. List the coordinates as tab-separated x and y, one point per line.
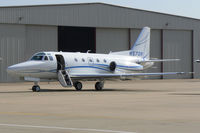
76	39
178	44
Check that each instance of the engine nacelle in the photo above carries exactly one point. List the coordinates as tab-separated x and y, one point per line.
112	66
125	66
148	65
130	66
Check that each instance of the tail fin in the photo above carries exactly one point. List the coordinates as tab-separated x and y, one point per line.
141	47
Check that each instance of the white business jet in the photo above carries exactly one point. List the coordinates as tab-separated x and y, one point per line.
69	68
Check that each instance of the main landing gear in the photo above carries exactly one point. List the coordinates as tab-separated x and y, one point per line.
36	87
98	86
78	86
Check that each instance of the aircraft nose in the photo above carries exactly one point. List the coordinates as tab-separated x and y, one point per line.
11	70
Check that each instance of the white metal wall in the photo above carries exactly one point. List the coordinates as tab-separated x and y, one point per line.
178	44
111	40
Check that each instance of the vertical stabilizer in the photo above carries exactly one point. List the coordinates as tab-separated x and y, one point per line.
141	47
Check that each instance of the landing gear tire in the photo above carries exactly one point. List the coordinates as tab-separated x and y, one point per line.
99	86
78	86
36	88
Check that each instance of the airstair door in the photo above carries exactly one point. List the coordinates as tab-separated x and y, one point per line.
64	78
63	75
60	62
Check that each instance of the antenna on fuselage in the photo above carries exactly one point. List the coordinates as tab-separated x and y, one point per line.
88	51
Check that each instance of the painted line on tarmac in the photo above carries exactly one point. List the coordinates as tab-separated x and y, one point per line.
64	128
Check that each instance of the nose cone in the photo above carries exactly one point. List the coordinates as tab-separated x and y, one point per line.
24	68
17	68
12	70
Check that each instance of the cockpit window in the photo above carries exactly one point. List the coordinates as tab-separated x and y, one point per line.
38	56
51	58
45	58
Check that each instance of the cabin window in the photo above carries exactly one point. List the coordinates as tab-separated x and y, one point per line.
76	59
105	60
90	60
51	58
45	58
97	60
83	60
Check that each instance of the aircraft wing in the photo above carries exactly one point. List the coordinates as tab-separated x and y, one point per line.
125	75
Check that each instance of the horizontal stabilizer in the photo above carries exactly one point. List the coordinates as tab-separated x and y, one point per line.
197	61
160	60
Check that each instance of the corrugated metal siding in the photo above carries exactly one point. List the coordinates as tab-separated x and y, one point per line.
19	42
111	40
155	48
177	44
93	15
155	51
12	43
196	53
40	38
134	35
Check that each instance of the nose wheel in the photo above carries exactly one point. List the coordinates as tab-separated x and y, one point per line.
36	87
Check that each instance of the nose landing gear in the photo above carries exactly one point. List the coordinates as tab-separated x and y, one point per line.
36	87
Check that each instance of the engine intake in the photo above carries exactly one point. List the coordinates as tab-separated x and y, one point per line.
112	66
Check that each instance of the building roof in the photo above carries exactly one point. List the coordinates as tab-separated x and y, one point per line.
45	5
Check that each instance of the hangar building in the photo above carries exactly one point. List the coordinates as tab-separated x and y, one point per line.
100	28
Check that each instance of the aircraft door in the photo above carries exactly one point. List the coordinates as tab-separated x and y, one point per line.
60	62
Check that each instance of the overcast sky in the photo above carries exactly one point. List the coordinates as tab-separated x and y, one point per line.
188	8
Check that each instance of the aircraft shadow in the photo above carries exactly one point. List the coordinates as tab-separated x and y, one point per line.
14	92
104	90
186	94
87	90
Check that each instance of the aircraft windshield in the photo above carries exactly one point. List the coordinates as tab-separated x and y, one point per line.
38	56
